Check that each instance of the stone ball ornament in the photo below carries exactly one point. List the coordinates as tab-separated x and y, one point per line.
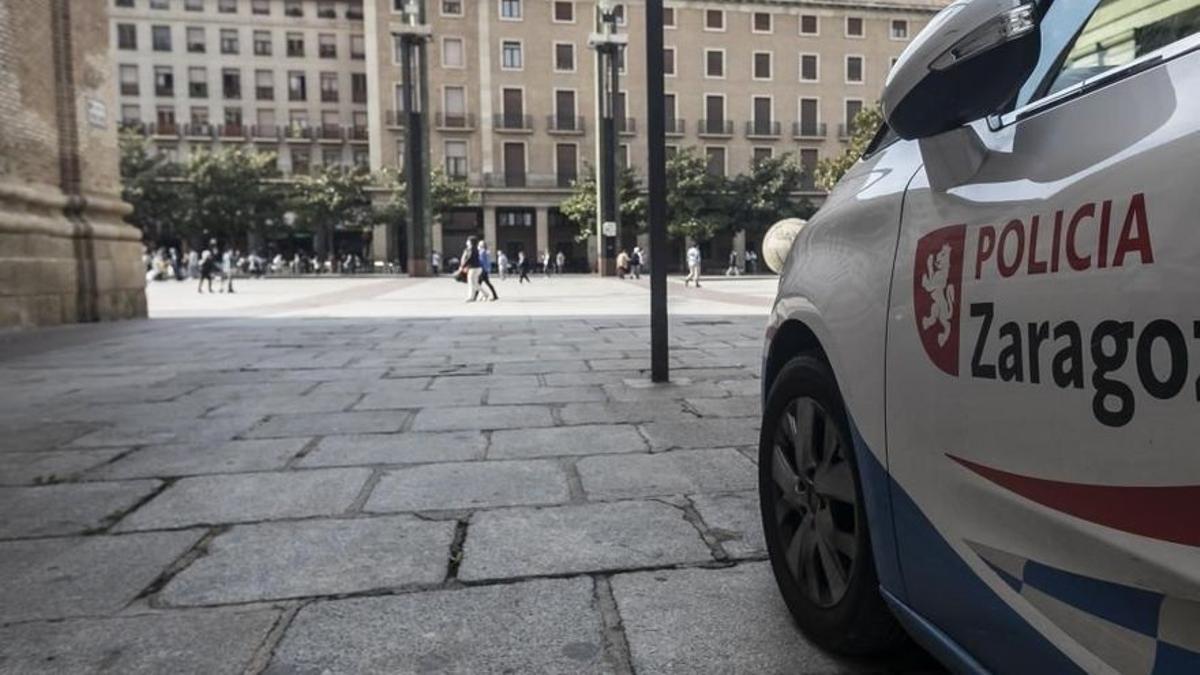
778	242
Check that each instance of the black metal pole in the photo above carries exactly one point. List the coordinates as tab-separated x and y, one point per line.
412	63
660	370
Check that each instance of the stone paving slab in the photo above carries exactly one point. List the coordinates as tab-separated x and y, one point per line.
483	418
27	468
575	539
505	395
734	406
735	520
624	412
283	404
539	367
25	435
75	576
189	460
702	433
290	426
413	447
548	626
249	498
469	485
181	643
588	439
67	508
592	377
671	625
390	398
669	473
481	382
271	561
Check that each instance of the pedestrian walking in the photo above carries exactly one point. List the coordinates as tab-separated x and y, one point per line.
546	264
228	268
470	267
693	263
435	262
751	262
193	264
635	262
523	268
502	265
208	267
622	264
733	270
560	262
485	264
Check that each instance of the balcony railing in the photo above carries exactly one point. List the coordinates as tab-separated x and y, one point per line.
164	91
564	124
394	118
130	89
298	132
134	126
808	130
265	132
763	129
330	132
721	128
327	13
845	131
234	93
627	125
354	14
165	129
566	180
540	181
357	134
462	121
198	130
327	51
233	131
264	93
329	96
509	122
675	127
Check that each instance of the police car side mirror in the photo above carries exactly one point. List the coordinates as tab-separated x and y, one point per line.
971	59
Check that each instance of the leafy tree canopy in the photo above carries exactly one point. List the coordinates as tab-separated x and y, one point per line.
863	128
581	207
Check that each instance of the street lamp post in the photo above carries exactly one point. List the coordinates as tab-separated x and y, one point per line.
413	34
608	44
656	183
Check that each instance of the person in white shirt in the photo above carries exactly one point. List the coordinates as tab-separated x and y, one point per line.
693	263
502	264
435	262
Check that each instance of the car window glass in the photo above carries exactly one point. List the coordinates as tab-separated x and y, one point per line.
1059	25
1120	31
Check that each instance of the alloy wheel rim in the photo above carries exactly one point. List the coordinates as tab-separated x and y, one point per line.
815	502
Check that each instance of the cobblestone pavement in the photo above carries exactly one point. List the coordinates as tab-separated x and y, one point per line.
274	490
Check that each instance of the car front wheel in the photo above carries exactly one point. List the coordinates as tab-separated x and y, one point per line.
813	515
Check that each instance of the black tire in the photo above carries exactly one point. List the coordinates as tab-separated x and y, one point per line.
855	620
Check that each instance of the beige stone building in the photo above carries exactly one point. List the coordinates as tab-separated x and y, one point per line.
288	76
512	102
65	253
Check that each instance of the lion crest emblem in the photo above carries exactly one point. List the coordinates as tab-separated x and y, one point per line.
937	294
936	281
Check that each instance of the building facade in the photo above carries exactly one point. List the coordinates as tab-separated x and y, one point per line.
511	90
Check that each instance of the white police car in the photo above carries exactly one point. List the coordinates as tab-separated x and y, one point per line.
982	371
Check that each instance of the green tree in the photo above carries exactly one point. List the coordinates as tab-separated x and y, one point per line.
767	193
153	186
698	201
581	207
233	192
329	198
862	129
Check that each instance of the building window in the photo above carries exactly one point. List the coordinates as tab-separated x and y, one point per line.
564	57
233	117
854	26
264	85
564	111
357	48
454	107
164	81
714	19
853	107
231	83
566	164
293	8
160	38
899	29
715	161
514	164
297	86
195	40
331	156
809	158
129	81
453	54
854	70
260	7
262	43
131	113
327	46
329	88
619	15
301	160
761	154
510	55
227	6
762	22
358	87
809	117
123	3
762	65
510	9
809	24
669	61
668	17
230	44
326	10
199	116
456	159
714	63
809	68
452	8
197	82
564	11
164	115
295	44
362	157
126	36
193	5
160	4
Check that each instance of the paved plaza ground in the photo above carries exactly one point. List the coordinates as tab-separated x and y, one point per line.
370	475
